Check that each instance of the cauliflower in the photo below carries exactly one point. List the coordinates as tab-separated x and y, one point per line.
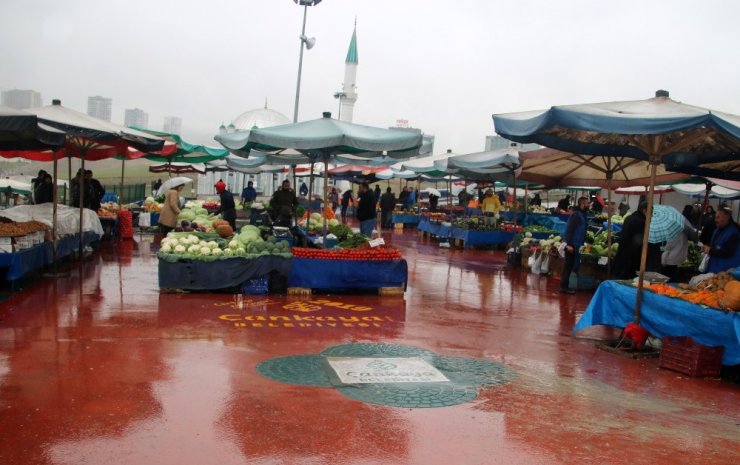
166	248
212	245
194	249
240	251
228	252
205	251
234	244
180	249
192	239
171	242
528	234
216	251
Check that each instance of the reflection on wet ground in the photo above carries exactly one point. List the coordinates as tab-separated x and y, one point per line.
100	368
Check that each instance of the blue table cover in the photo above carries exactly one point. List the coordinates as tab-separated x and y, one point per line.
36	257
340	274
615	227
220	274
405	219
613	305
471	238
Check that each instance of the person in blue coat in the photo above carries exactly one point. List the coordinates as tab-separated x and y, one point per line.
575	236
724	250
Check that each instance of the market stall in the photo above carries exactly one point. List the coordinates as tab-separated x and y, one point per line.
613	305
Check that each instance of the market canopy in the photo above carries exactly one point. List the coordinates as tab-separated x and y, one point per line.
20	131
178	168
182	151
323	137
685	138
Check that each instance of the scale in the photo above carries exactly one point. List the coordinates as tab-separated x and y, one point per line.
281	232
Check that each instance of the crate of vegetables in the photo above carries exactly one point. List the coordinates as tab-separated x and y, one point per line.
684	355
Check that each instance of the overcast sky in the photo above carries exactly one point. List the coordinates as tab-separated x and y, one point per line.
443	65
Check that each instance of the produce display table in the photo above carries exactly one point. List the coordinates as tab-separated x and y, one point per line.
315	273
512	216
549	221
435	229
219	274
37	257
472	238
613	305
404	218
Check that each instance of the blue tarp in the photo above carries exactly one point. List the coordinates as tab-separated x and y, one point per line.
38	256
340	274
405	219
471	238
613	305
220	274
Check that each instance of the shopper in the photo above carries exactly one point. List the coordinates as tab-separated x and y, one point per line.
303	191
44	192
708	225
170	209
491	206
676	250
283	204
387	204
377	193
433	201
347	199
227	210
724	249
249	193
156	186
366	210
627	259
36	182
575	236
333	199
94	193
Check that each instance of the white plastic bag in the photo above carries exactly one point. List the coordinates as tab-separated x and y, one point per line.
704	265
561	249
537	265
545	265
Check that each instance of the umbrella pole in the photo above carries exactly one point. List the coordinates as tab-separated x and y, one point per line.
55	199
608	225
645	236
81	184
310	190
326	184
120	192
513	204
69	177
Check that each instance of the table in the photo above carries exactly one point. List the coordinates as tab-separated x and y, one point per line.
553	222
219	274
471	238
613	305
20	263
315	273
404	218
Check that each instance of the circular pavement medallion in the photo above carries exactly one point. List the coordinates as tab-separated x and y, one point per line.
387	382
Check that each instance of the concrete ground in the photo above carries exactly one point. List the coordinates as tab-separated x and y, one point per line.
100	368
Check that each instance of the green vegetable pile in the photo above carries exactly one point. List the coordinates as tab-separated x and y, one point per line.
209	247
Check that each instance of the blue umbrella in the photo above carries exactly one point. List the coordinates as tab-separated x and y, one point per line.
666	223
659	130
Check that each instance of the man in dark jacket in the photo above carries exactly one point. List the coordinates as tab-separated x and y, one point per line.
366	210
387	204
283	204
627	259
94	192
575	236
377	192
227	208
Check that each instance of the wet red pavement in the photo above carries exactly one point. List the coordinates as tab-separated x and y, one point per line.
100	368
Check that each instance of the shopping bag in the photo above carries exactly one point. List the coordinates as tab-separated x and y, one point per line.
561	249
537	265
545	265
704	265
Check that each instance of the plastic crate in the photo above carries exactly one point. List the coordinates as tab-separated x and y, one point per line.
257	286
684	355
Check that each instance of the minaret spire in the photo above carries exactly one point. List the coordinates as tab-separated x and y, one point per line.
348	95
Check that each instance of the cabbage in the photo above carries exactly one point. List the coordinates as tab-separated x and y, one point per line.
316	216
240	251
333	222
233	244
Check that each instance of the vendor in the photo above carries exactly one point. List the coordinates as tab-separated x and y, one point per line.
283	204
170	209
227	208
627	260
564	204
724	249
491	206
249	194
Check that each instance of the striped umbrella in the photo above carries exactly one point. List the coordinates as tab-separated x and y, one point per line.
666	223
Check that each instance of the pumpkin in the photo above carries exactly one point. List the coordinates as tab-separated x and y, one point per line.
224	230
218	223
731	299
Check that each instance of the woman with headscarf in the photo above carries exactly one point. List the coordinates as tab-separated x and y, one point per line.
170	209
228	207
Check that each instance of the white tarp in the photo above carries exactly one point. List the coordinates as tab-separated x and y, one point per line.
68	218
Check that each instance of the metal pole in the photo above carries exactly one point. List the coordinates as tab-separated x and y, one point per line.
81	185
300	66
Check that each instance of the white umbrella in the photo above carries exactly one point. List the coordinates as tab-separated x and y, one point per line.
173	182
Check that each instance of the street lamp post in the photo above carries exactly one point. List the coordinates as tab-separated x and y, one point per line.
308	43
340	96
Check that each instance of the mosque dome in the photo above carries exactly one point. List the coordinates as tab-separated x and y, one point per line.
261	118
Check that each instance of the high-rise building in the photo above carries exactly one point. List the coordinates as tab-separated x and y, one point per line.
99	107
136	118
21	99
348	96
172	124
